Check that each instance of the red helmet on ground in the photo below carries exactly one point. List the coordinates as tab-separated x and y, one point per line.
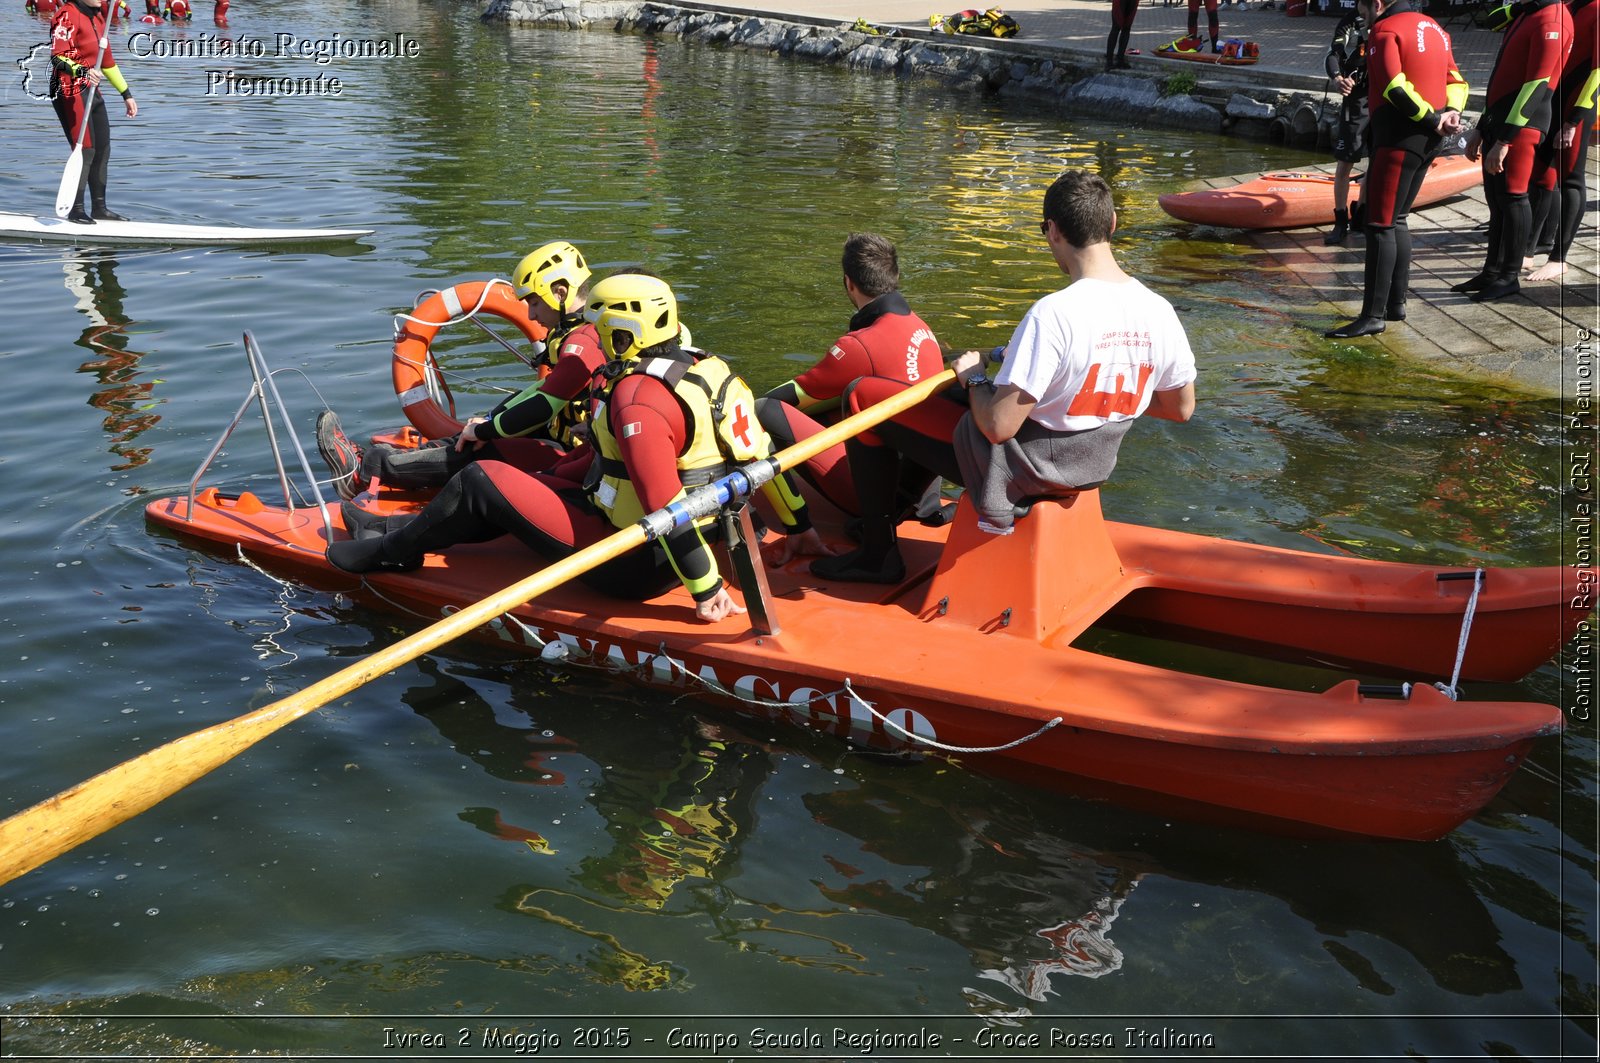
178	11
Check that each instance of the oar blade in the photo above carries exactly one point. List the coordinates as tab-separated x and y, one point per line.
69	182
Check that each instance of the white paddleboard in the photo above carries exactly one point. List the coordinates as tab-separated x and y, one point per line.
28	227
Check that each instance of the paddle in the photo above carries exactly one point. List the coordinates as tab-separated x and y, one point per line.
68	194
70	818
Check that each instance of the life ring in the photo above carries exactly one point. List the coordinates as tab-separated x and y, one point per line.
418	381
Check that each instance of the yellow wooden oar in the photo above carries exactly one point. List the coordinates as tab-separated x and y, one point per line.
70	818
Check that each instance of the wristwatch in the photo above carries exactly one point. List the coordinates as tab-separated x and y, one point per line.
974	380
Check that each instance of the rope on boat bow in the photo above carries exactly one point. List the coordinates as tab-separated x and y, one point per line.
935	743
1477	576
558	652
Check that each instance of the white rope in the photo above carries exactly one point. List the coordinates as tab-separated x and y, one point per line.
881	718
483	297
430	365
673	664
1449	689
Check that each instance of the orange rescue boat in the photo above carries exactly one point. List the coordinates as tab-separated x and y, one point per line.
1298	199
976	654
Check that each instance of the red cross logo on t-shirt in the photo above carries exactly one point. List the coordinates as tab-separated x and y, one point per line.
740	425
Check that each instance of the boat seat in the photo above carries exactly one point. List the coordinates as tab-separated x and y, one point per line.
1056	570
1025	506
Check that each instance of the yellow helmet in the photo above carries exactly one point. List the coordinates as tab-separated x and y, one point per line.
632	312
538	274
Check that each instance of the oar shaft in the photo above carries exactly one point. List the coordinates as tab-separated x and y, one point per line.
60	823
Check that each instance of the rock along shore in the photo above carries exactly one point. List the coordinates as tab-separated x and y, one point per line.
1197	100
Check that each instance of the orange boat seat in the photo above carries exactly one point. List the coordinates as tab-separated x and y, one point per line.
1052	577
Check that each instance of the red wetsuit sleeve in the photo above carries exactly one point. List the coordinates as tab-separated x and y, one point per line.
846	360
568	381
1579	82
1522	85
651	433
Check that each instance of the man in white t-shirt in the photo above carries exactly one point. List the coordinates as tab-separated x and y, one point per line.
1084	362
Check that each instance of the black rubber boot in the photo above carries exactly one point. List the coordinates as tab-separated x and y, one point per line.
1477	283
1341	229
78	214
875	471
362	523
1502	286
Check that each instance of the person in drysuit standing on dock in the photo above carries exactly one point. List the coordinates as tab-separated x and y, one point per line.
1415	96
77	68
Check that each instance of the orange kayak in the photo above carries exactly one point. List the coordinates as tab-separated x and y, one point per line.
976	655
1294	200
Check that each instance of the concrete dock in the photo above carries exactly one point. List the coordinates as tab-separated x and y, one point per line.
1526	341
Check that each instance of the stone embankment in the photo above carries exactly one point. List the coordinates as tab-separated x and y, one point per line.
1035	71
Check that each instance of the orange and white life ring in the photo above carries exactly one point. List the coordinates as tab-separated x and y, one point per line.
418	381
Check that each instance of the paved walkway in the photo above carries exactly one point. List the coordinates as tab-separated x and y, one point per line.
1525	340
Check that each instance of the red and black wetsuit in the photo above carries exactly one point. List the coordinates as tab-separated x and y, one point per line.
1211	20
1574	106
76	32
533	430
1520	101
886	342
1122	15
554	516
1411	78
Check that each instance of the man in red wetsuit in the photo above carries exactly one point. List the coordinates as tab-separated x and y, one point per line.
886	342
1564	153
1194	23
673	418
1515	120
77	66
534	429
1415	96
1122	15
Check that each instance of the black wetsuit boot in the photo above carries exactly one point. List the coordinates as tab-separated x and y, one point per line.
1394	304
1341	228
1377	278
78	214
454	516
875	471
1516	218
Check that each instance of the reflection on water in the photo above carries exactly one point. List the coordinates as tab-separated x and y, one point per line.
126	400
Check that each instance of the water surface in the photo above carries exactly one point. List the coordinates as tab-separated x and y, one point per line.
479	835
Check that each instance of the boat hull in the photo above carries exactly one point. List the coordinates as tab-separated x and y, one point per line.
1294	200
932	657
59	230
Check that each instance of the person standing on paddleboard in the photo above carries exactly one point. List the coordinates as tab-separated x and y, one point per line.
77	68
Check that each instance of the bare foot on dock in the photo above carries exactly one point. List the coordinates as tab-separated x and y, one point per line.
1548	272
1529	260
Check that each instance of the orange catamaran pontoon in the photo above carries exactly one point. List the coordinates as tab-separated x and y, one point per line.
975	654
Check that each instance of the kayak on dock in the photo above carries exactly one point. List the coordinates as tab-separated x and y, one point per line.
57	230
1297	199
976	653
